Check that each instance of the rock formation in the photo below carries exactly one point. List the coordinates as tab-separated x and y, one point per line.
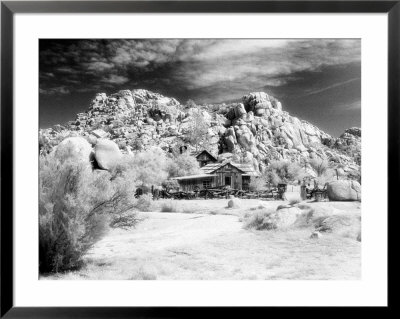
256	131
344	190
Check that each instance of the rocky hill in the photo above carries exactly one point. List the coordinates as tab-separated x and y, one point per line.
256	131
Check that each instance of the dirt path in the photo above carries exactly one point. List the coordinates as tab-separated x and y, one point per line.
205	246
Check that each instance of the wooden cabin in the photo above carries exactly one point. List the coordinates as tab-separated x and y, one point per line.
204	158
236	176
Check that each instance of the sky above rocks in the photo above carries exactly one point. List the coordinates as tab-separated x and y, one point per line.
318	80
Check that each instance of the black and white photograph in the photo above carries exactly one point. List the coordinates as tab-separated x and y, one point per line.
200	159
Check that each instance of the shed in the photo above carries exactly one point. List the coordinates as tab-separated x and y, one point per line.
204	158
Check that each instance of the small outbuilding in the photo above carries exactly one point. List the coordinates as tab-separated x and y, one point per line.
204	158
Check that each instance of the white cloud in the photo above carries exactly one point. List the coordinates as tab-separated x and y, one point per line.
115	79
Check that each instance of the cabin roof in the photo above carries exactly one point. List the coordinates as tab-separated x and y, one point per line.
199	176
246	169
204	151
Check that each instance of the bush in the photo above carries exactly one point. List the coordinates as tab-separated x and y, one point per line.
169	206
144	273
183	165
262	220
282	172
149	166
320	166
258	184
144	203
294	201
76	208
170	184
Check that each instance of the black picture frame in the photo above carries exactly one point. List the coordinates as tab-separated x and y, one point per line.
9	8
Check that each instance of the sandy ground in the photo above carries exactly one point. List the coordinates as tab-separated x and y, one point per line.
212	244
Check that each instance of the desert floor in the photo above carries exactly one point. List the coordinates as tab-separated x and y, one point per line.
206	240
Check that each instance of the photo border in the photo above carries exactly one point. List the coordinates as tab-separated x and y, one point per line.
9	8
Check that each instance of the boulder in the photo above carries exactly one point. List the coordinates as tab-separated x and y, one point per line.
99	133
239	110
356	131
234	203
230	143
276	104
258	102
344	190
224	157
76	149
99	101
107	153
316	235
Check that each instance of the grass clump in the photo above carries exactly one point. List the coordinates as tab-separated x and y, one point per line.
294	201
144	203
169	207
144	273
261	220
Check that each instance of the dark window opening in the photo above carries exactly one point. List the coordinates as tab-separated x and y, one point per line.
206	184
245	182
228	180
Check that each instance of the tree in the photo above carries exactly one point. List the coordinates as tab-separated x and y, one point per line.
323	170
182	165
197	133
258	184
149	167
282	172
170	184
190	104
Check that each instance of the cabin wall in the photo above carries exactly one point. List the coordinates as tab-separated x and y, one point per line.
191	184
233	173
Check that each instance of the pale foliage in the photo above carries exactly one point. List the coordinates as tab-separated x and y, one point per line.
76	208
183	165
320	166
258	184
150	167
282	172
197	133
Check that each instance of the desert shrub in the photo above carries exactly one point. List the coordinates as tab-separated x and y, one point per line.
144	203
76	208
294	201
144	273
170	184
261	220
169	206
282	206
282	172
149	166
305	219
272	177
182	165
328	176
258	184
320	166
332	223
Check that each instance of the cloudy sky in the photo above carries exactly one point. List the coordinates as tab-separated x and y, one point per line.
318	80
